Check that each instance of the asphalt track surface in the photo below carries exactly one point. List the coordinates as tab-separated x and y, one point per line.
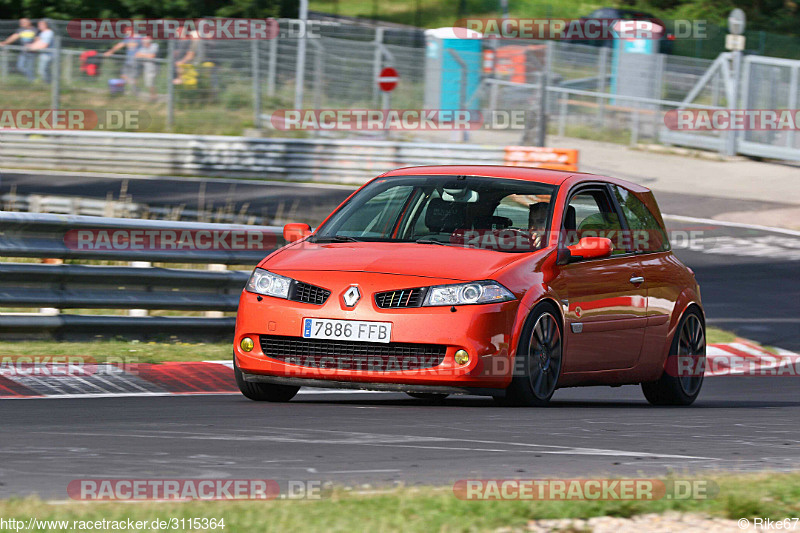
750	284
379	439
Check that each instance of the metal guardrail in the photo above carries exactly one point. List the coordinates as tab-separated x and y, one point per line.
331	160
86	286
43	235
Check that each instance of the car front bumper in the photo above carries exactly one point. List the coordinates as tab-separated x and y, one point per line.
484	331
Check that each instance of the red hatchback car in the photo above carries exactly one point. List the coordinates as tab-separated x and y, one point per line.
502	281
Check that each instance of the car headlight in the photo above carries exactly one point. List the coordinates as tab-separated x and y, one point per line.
477	292
265	282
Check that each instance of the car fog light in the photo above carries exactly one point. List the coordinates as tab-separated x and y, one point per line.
247	344
462	357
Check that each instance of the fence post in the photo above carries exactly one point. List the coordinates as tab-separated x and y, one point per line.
377	59
793	80
319	68
67	70
541	126
562	117
601	83
273	65
462	92
215	267
730	140
55	74
139	264
170	84
4	62
635	127
300	67
256	83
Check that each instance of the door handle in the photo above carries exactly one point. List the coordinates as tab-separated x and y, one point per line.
637	280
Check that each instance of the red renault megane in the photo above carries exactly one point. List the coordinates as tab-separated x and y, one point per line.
502	281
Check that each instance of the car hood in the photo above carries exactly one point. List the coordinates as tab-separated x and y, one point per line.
409	259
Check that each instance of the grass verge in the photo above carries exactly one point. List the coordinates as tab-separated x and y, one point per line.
425	509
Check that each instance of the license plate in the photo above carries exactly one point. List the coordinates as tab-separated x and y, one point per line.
347	330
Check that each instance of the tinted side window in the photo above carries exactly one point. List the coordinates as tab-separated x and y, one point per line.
590	214
646	233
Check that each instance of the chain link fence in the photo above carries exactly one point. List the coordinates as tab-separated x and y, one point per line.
233	85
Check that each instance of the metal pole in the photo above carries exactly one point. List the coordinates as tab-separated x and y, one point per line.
256	83
301	57
170	84
55	74
273	65
562	118
730	141
377	57
541	126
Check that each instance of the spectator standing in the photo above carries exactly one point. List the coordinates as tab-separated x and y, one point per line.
132	43
147	55
43	44
189	51
25	34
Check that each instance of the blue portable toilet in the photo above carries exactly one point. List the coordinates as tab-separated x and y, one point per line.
443	72
634	63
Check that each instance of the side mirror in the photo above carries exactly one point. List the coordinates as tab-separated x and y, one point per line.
590	248
296	231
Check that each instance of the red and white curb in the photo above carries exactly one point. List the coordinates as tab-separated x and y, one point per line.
216	377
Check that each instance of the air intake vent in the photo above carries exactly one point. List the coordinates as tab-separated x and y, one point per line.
400	298
347	355
310	294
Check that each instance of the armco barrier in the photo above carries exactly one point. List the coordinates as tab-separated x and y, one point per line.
330	160
82	286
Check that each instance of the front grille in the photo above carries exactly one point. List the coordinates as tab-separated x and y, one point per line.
348	355
400	298
310	294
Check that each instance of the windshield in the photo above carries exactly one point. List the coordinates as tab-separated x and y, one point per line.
491	213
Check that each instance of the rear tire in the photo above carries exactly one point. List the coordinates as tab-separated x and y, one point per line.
537	365
689	341
263	392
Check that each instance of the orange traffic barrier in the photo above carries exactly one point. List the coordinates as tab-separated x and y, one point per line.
534	156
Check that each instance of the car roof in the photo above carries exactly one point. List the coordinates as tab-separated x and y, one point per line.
553	177
541	175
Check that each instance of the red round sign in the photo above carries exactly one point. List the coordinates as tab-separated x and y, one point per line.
387	79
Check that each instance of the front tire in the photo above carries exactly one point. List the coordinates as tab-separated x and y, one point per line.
689	341
540	351
263	392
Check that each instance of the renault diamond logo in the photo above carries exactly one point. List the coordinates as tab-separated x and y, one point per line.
351	296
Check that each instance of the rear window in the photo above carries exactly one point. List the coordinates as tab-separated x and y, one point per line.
646	233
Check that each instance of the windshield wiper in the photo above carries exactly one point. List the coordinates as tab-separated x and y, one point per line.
431	241
336	238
